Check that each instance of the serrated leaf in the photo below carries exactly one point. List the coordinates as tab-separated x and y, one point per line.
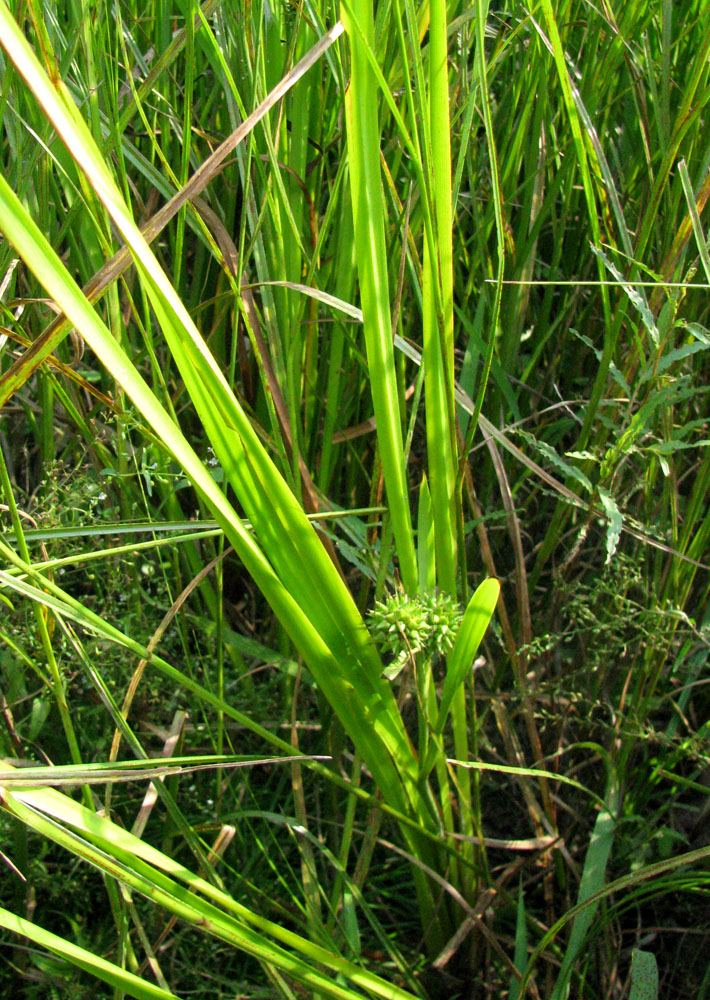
675	391
614	522
657	367
555	459
613	370
635	297
668	447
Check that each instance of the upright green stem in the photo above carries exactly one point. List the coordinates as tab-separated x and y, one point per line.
438	356
371	254
438	344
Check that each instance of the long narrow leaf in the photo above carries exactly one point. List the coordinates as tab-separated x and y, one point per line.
470	635
371	257
112	974
155	875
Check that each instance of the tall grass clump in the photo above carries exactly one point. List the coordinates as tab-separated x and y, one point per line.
354	481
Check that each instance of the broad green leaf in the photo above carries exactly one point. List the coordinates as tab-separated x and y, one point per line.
476	620
593	875
372	265
426	552
438	309
520	959
644	975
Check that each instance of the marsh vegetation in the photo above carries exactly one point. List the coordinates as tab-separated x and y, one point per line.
354	618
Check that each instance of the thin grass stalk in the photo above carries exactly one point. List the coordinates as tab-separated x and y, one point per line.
261	480
571	99
483	88
344	851
42	621
21	370
363	139
690	109
60	603
438	366
432	164
57	683
187	96
344	281
438	311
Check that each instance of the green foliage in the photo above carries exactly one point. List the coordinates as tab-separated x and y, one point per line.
644	976
371	312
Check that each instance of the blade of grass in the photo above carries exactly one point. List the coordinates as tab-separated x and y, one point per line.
157	877
83	959
371	258
21	370
438	311
593	877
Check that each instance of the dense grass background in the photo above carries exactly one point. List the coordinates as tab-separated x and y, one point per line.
528	215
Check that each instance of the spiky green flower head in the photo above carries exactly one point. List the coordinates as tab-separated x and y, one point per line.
420	628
